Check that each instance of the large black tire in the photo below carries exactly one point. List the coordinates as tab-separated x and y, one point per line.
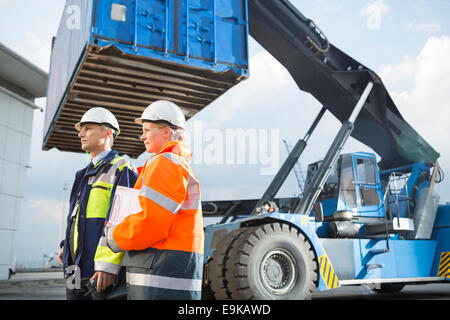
273	261
217	265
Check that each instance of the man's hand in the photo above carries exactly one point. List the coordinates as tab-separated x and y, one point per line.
104	280
60	255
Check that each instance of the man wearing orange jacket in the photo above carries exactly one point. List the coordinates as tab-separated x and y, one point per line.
163	242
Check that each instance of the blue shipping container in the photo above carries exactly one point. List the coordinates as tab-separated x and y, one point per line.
125	54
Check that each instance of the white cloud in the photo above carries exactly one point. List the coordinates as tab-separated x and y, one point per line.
268	71
421	26
394	74
267	78
425	105
429	95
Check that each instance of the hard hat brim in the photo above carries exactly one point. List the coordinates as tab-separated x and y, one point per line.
79	124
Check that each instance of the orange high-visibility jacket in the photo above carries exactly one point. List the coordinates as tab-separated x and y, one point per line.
165	240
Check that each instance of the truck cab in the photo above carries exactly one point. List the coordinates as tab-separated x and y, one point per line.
353	186
360	200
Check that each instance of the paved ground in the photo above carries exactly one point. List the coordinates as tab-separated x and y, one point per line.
51	286
34	286
435	291
35	276
34	293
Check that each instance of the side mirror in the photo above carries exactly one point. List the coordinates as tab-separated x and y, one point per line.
318	211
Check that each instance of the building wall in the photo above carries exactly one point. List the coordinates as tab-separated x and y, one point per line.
16	119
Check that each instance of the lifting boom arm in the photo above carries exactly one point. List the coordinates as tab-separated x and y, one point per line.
336	81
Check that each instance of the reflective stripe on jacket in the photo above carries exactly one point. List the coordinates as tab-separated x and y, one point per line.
164	242
94	187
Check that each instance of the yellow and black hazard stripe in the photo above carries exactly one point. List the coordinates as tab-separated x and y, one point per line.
444	265
327	272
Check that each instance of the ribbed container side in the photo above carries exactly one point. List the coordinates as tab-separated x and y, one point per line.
125	54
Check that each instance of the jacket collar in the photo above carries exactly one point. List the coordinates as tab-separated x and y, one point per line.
100	156
99	164
179	148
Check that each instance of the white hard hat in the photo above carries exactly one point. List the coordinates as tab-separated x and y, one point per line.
163	110
100	116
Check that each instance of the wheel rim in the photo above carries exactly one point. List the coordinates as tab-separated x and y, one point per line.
278	271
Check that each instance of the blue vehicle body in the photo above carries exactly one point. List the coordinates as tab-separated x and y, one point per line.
396	257
441	232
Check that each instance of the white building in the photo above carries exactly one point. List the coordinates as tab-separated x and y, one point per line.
20	83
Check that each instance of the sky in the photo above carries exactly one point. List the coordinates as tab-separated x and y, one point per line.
406	42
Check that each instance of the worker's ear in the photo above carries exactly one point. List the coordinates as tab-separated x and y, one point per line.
109	133
167	132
